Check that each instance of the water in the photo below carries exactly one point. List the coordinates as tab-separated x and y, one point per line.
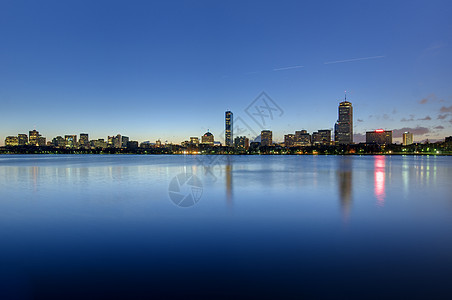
93	226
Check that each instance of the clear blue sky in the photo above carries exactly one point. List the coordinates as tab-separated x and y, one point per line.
170	69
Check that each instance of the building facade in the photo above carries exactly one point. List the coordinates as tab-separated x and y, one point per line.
84	140
289	140
266	138
124	141
207	138
59	142
33	137
194	140
379	137
71	140
11	141
23	139
407	138
302	138
344	126
241	143
321	137
99	143
228	137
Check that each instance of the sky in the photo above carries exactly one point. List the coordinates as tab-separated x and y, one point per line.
170	69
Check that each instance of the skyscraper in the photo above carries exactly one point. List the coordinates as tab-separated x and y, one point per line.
266	138
84	140
33	137
229	141
407	138
117	142
124	141
344	127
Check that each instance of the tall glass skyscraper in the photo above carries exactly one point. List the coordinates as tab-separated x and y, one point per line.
344	126
228	136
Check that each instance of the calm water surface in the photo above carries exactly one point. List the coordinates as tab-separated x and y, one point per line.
328	227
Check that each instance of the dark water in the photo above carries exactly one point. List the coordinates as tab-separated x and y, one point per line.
327	227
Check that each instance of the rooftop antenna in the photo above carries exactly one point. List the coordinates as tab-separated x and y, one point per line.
345	96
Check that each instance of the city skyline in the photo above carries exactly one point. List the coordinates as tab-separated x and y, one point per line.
343	135
71	68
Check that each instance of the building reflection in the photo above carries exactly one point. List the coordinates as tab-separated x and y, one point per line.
34	173
379	179
345	177
229	182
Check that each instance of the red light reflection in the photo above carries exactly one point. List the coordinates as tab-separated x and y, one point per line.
379	181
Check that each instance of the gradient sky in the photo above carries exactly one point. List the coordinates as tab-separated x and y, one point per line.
170	69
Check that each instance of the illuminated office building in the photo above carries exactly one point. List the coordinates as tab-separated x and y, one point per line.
321	137
71	140
99	143
229	129
266	138
379	137
124	141
194	140
41	141
117	142
207	138
302	138
11	141
289	140
59	142
241	143
33	137
84	140
407	138
343	132
23	139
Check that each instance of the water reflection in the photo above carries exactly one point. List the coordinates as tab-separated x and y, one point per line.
379	179
119	205
229	181
344	176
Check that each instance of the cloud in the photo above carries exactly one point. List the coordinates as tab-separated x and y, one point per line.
439	127
423	101
407	120
442	117
359	137
394	111
360	120
426	118
430	98
288	68
386	117
414	130
353	59
446	109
